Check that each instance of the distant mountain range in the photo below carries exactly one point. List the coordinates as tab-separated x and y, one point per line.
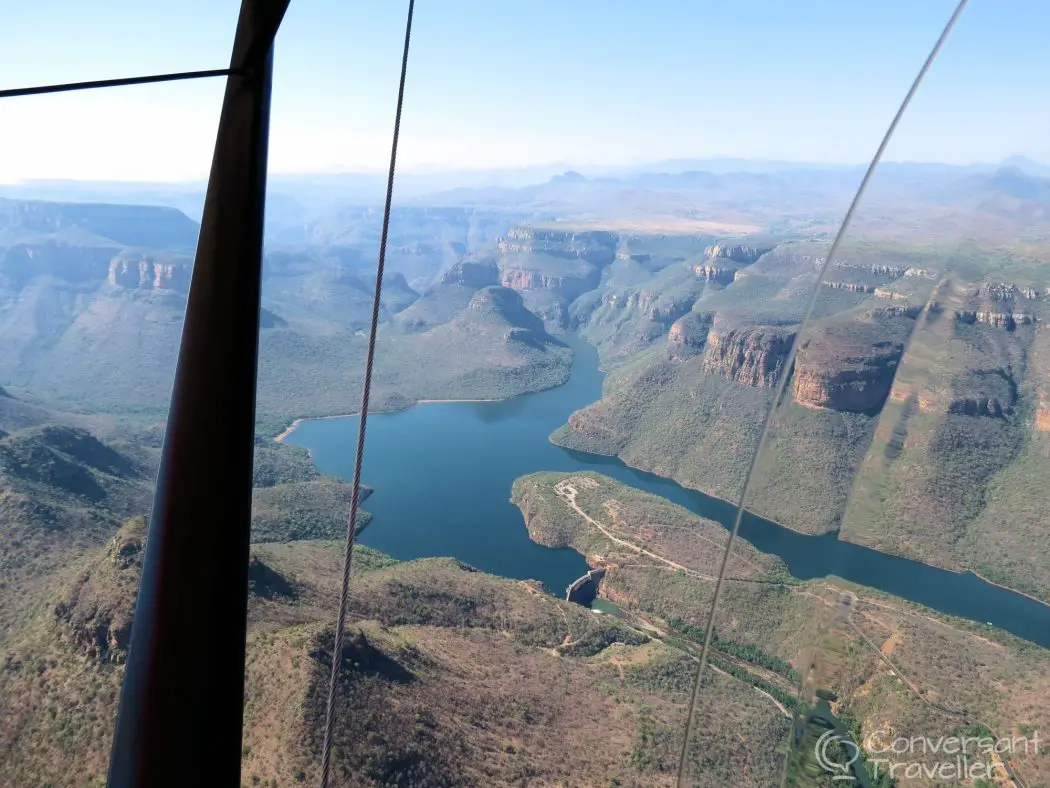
295	197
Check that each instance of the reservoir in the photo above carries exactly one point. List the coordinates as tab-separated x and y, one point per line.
442	475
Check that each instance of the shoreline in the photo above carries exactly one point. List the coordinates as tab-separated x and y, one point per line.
439	401
1007	588
279	438
962	571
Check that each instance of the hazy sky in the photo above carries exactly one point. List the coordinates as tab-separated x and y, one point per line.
507	83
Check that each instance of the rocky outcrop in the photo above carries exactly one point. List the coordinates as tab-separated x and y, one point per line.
896	311
147	274
738	254
1000	305
714	274
634	258
661	309
752	355
984	392
563	286
504	307
1007	320
892	295
96	611
1005	292
472	273
919	272
982	406
850	366
688	335
596	247
564	262
851	287
889	271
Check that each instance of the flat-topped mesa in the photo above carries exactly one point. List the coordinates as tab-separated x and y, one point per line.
22	262
147	274
472	273
998	304
595	246
753	355
687	336
738	254
142	226
1007	320
850	366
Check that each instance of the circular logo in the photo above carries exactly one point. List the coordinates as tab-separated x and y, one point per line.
824	748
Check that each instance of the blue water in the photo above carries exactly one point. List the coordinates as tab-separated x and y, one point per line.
442	475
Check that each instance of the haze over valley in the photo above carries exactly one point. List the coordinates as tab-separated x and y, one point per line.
628	326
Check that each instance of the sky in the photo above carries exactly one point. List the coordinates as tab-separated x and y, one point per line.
519	83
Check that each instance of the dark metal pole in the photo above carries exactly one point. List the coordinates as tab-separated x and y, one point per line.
180	716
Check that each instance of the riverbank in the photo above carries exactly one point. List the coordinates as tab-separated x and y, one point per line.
292	427
1042	602
731	506
295	424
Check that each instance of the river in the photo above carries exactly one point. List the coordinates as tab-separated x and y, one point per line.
442	474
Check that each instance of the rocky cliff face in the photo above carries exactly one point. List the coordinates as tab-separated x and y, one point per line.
712	273
1006	292
91	265
752	355
1006	320
596	247
738	254
1000	305
984	392
687	336
661	309
850	367
472	273
147	274
563	262
96	611
888	271
127	225
851	287
568	287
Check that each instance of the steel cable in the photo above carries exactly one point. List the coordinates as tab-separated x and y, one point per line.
786	374
355	498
